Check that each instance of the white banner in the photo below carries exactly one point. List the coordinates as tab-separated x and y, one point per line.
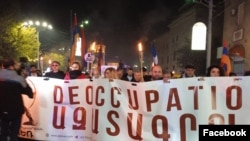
103	110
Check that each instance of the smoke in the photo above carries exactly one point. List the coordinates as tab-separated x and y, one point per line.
155	21
119	24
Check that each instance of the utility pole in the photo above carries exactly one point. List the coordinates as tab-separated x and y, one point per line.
209	33
209	4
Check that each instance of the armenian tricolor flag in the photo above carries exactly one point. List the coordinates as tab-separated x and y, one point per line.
225	60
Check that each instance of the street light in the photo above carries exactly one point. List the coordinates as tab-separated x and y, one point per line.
40	26
83	40
86	22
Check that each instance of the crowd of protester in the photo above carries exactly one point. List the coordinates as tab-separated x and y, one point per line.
12	86
15	71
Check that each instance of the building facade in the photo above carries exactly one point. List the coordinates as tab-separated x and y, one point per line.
174	47
236	31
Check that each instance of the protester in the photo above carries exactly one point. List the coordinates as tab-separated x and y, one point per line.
33	71
75	71
128	76
96	73
119	72
21	69
55	71
167	75
215	70
156	74
110	73
189	71
137	76
12	86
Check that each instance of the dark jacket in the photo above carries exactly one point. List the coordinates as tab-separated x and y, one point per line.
11	102
125	77
37	73
149	78
58	75
77	74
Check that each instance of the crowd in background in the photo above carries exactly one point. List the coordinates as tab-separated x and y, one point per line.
156	72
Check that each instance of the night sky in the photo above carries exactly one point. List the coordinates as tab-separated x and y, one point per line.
121	24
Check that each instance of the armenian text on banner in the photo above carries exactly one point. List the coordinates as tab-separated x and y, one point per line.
101	110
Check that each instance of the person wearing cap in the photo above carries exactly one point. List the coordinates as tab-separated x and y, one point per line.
189	71
55	71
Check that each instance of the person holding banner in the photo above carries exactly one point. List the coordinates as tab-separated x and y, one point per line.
55	71
120	73
128	76
110	73
33	71
12	86
215	71
156	74
75	71
137	76
189	71
167	75
96	74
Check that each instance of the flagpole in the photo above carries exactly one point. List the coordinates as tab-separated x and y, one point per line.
71	25
71	37
75	38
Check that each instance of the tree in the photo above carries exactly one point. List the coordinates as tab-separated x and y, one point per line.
25	42
16	40
8	11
